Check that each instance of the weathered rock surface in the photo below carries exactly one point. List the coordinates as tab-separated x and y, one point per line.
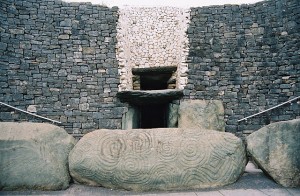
276	149
34	156
203	114
157	159
154	70
172	118
149	97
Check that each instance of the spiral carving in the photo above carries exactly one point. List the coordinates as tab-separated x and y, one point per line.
111	148
160	159
161	175
166	150
191	156
130	170
139	142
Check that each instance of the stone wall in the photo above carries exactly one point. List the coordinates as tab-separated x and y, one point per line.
247	56
58	60
152	37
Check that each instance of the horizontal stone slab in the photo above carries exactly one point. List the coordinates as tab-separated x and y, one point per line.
149	97
157	159
153	70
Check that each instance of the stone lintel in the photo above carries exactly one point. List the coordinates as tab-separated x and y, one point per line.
137	97
154	70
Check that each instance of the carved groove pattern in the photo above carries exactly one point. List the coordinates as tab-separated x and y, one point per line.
158	159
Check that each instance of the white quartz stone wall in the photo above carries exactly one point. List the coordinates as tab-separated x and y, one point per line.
151	37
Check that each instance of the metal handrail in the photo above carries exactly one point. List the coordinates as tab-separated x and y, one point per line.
272	108
54	121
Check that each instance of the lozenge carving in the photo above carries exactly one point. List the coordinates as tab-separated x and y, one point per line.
157	159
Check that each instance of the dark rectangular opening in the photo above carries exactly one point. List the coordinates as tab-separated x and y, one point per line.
154	78
153	116
154	82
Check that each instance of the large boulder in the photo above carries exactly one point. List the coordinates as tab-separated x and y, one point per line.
157	159
201	114
34	156
276	149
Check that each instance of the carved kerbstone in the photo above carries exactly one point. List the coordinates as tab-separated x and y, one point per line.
157	159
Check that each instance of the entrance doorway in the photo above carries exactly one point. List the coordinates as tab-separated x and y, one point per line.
152	99
153	116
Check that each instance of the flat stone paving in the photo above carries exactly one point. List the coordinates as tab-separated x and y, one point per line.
253	183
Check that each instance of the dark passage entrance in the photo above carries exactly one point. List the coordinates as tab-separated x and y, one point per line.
151	98
153	116
154	82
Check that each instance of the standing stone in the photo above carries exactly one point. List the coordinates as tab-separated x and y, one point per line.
130	118
34	156
157	159
201	114
172	119
276	149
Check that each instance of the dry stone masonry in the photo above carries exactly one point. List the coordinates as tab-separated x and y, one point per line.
152	37
68	61
76	62
247	56
58	60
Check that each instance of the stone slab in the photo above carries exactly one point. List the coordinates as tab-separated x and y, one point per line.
157	159
201	114
142	97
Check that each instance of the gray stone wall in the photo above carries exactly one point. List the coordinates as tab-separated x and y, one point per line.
248	56
58	59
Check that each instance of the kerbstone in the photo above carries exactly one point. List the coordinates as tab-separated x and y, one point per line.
34	156
157	159
275	148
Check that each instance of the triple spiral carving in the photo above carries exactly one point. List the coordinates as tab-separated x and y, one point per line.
157	159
